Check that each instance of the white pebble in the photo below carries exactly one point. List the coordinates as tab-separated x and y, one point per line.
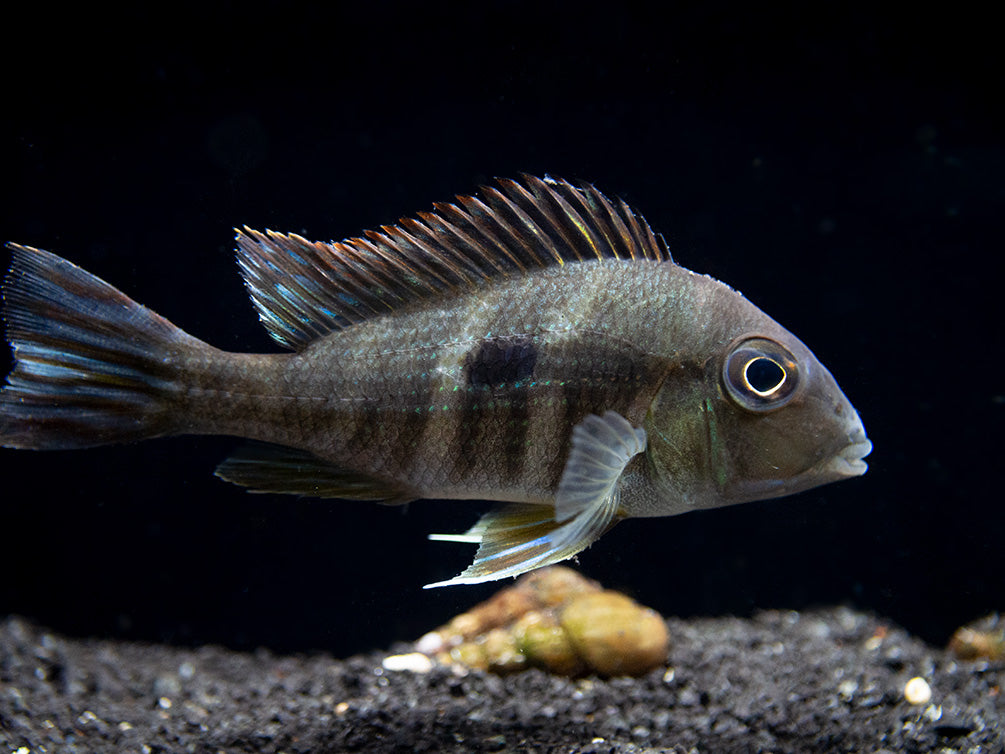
917	691
430	644
415	662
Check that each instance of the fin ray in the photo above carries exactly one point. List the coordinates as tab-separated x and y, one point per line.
304	290
601	448
265	468
513	538
91	366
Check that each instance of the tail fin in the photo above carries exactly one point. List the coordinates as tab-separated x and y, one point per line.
91	365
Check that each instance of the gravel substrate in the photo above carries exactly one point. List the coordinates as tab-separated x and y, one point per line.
824	680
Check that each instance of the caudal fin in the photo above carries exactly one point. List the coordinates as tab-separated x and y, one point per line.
91	365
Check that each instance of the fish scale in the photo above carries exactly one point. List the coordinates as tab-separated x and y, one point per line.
468	429
418	380
534	345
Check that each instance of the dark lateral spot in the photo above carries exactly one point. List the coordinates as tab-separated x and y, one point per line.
501	361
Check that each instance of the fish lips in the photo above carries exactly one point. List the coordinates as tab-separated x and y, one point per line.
850	461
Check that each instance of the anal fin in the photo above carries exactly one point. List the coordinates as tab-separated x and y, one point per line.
513	539
517	538
279	469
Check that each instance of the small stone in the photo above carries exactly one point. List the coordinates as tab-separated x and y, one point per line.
983	639
501	651
917	691
430	644
847	689
615	635
545	644
554	619
413	662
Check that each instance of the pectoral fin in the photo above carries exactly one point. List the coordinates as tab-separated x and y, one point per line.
601	448
517	538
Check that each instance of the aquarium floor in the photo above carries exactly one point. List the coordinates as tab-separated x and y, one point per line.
826	680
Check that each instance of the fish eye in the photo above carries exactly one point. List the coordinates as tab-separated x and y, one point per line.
760	374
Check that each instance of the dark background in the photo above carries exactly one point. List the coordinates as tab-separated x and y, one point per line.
842	169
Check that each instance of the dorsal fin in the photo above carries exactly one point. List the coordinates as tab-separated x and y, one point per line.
304	290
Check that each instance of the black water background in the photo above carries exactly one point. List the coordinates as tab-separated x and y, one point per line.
841	168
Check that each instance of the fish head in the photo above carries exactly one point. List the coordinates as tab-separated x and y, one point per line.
782	423
759	418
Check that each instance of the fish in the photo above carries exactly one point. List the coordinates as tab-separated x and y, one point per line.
533	344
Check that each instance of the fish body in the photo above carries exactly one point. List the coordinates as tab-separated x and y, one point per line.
535	346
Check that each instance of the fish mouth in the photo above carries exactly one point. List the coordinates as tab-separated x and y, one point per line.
849	462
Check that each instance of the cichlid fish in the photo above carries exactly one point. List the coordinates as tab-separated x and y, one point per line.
535	346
